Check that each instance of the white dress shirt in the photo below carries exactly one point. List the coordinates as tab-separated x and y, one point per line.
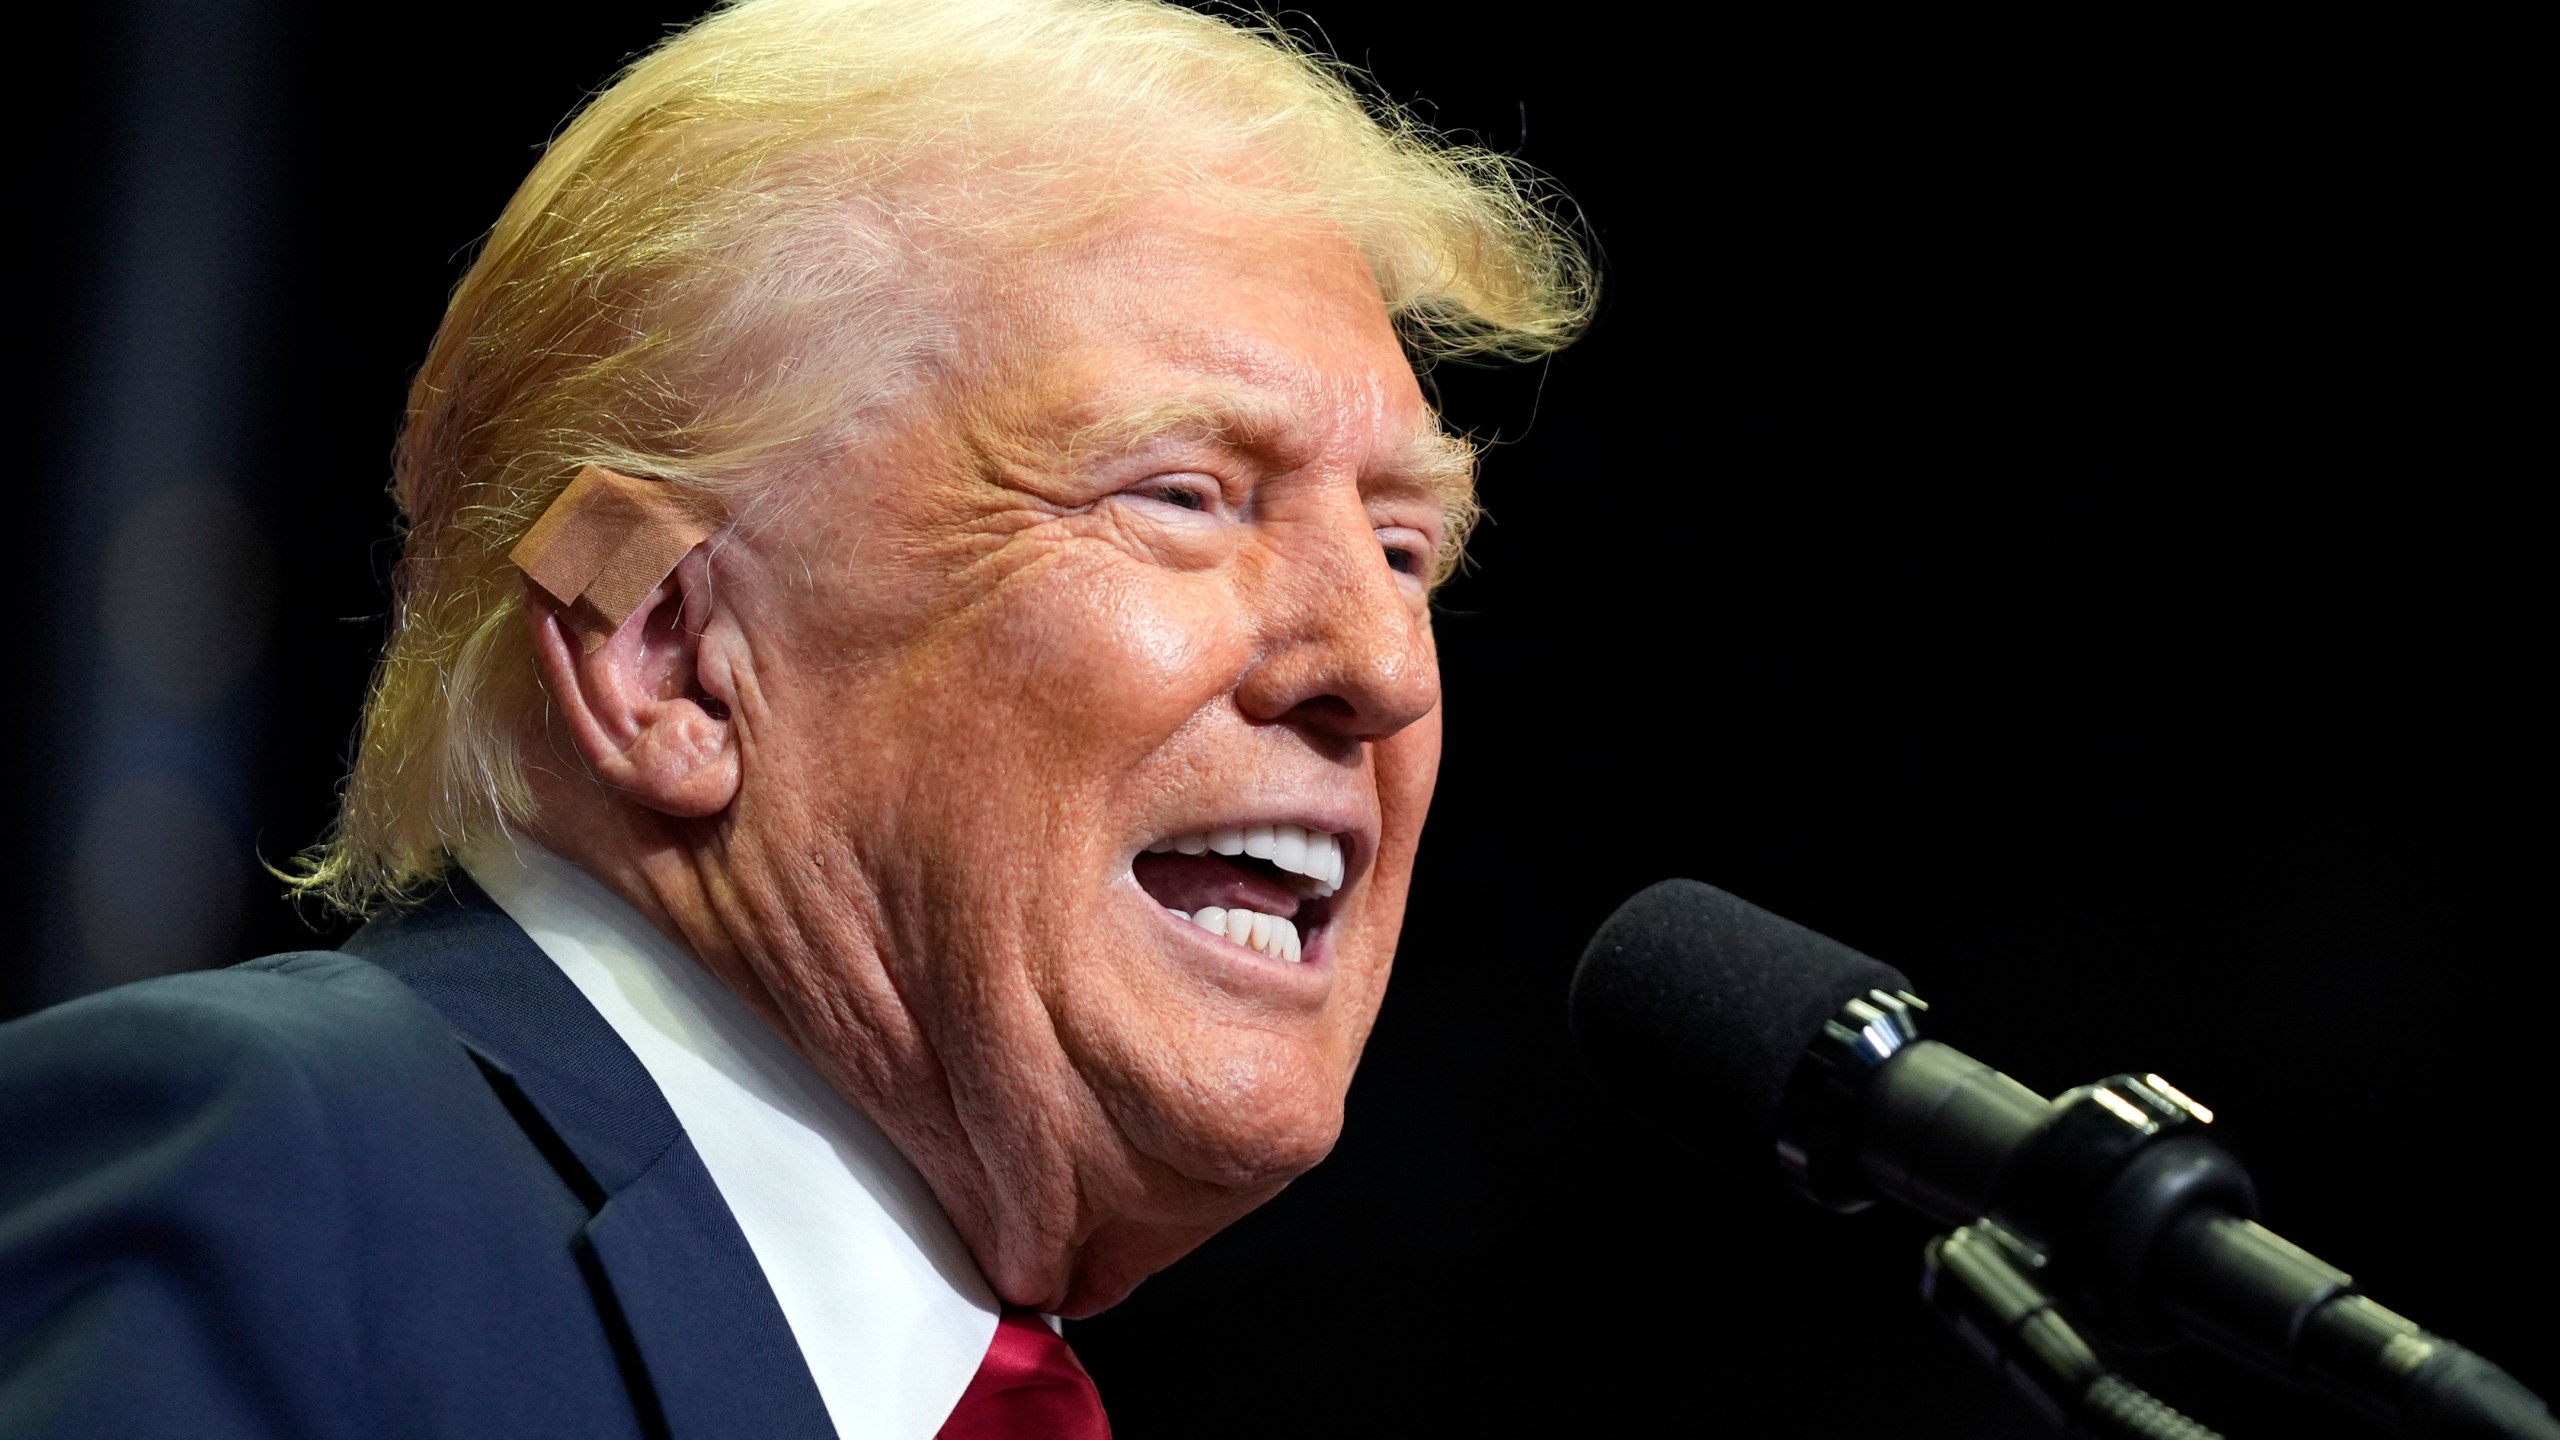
890	1311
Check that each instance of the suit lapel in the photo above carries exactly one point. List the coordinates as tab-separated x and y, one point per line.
712	1347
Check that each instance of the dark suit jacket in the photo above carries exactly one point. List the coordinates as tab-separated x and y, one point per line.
415	1188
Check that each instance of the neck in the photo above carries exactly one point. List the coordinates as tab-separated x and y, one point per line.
1046	1236
833	1004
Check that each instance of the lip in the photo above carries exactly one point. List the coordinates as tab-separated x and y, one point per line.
1300	984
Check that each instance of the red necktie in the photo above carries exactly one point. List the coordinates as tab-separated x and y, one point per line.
1028	1388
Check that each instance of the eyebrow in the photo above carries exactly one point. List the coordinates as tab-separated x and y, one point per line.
1431	460
1233	417
1442	464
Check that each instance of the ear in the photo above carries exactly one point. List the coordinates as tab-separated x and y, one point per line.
649	709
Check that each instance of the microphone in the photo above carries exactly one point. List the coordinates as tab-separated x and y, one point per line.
1771	1044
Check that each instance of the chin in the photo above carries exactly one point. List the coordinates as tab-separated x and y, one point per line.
1259	1163
1241	1122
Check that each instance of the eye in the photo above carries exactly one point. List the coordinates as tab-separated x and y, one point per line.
1409	551
1182	491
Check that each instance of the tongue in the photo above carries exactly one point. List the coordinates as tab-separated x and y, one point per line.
1193	882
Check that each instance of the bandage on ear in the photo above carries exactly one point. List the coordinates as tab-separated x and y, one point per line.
607	541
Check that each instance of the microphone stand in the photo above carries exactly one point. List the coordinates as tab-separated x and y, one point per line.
1981	1281
2143	1224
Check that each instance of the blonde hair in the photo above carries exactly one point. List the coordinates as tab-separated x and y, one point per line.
738	255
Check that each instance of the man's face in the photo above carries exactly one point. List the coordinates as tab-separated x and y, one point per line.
1147	578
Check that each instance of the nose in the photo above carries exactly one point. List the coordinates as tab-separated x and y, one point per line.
1346	652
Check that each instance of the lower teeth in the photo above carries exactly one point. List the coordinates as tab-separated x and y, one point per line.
1263	934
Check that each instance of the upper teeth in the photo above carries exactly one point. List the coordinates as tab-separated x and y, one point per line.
1294	848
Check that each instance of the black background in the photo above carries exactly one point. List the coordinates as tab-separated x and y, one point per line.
2044	501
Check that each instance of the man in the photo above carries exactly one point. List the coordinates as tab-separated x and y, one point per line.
888	805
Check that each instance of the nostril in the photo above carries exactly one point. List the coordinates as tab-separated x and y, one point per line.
1329	723
1326	707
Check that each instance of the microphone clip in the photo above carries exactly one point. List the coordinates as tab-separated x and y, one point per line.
1819	1106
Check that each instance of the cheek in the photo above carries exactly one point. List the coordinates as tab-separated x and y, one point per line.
1118	655
1408	768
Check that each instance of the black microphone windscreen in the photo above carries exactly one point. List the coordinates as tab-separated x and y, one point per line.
1697	1006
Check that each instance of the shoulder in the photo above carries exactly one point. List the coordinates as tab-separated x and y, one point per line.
220	1094
288	1184
292	1037
299	1007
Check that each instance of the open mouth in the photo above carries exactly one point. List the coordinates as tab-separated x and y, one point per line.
1268	888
